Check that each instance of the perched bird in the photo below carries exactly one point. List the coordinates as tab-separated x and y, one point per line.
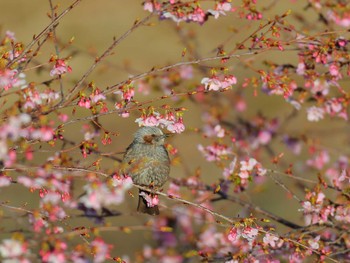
147	162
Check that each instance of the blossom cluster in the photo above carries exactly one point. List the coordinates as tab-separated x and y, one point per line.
169	121
179	11
216	83
101	194
93	100
239	131
18	128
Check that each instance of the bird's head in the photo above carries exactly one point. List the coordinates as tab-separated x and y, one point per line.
150	135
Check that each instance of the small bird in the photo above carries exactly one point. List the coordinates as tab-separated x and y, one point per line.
147	162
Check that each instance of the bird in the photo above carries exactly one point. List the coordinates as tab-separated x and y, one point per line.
147	162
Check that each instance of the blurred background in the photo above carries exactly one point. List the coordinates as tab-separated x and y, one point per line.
94	24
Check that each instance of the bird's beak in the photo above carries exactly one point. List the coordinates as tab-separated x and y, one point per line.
166	135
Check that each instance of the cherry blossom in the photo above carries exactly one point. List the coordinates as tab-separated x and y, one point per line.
271	240
152	200
250	233
177	126
49	204
342	20
216	83
61	138
98	194
60	68
214	152
319	160
315	114
169	121
314	242
12	249
100	250
11	79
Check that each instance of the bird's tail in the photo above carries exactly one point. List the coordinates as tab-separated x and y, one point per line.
144	208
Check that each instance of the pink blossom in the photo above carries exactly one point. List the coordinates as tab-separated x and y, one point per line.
125	114
315	113
11	158
211	84
186	71
342	42
217	83
147	251
45	134
84	102
151	121
63	117
334	70
333	106
148	6
197	15
10	248
319	160
234	234
100	250
314	209
143	87
207	238
243	174
50	204
229	81
128	94
60	68
156	119
341	20
28	182
241	105
174	190
56	255
100	194
220	9
216	131
214	152
9	78
313	242
10	35
3	150
123	183
320	86
250	233
260	170
176	127
175	18
264	137
342	214
151	199
224	7
333	175
172	259
5	181
344	176
97	96
229	171
248	165
270	240
220	132
301	68
34	98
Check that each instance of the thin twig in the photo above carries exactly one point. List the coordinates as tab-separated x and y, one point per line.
43	32
73	93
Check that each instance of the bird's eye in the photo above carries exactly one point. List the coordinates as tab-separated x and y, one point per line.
153	135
